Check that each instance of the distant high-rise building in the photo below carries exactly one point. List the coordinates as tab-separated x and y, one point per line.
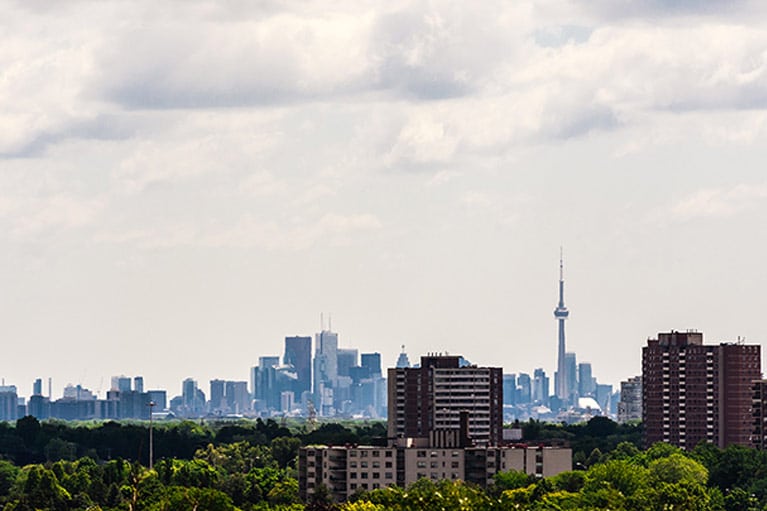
138	384
264	382
347	358
562	391
372	361
509	389
217	392
121	383
540	387
298	353
325	371
402	360
571	377
604	397
237	400
630	405
159	398
693	392
586	382
9	401
524	389
433	396
37	387
192	399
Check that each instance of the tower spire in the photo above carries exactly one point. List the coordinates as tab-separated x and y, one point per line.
561	313
561	264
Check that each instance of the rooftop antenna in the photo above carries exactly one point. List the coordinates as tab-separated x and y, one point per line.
322	322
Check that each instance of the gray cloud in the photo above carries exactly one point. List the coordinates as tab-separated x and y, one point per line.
608	9
101	127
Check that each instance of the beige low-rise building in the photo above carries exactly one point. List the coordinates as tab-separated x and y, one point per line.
347	469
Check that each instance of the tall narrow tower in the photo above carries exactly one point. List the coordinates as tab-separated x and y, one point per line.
561	314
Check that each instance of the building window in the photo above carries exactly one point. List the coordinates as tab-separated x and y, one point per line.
376	475
353	475
454	464
352	454
352	464
364	475
388	464
420	454
388	454
421	464
364	464
353	486
364	454
376	464
434	464
376	454
388	475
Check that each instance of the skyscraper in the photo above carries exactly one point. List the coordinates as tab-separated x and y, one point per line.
347	358
693	392
402	360
433	396
571	378
372	361
325	371
298	353
586	383
561	313
630	405
540	387
217	392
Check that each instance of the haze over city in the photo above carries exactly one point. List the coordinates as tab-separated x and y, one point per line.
184	184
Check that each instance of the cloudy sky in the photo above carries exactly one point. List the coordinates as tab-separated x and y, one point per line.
182	184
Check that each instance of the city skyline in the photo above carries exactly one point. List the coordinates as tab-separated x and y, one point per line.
184	185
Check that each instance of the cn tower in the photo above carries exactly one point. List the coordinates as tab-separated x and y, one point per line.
561	314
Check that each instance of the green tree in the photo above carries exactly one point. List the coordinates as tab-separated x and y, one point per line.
320	500
510	480
677	468
285	450
177	498
569	481
623	476
284	493
8	474
38	488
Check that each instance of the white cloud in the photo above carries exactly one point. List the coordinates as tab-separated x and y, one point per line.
298	234
720	202
29	217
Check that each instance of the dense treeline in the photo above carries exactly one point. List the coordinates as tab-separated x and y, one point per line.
598	435
250	465
32	441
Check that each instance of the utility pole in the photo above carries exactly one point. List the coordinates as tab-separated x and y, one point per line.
152	404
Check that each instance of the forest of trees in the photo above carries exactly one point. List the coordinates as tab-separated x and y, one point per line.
250	465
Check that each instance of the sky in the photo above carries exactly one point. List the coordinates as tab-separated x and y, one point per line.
185	183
